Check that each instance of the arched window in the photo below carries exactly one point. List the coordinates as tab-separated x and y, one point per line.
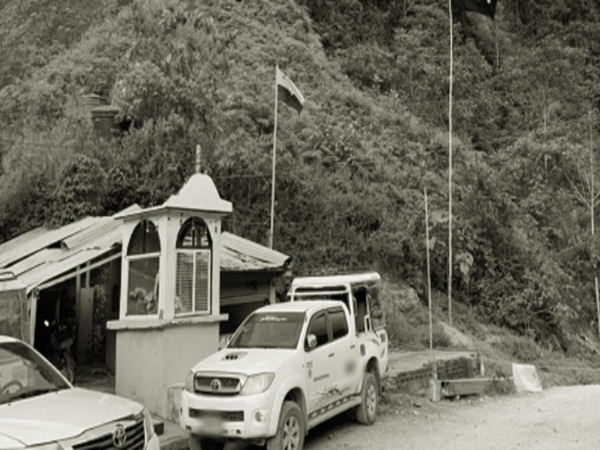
143	254
192	289
144	239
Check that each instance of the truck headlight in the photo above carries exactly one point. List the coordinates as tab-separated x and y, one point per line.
258	383
189	381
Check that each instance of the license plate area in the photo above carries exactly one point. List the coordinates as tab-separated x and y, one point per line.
213	424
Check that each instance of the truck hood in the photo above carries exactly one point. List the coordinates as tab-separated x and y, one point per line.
59	415
248	361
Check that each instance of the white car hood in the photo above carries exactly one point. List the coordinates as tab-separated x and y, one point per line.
60	415
248	361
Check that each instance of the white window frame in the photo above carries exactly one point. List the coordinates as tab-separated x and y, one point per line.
134	258
194	252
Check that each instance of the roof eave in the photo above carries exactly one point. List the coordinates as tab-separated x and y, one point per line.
155	210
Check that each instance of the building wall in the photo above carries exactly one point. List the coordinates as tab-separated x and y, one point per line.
242	293
151	360
237	313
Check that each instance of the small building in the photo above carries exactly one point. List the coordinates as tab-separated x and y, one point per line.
74	273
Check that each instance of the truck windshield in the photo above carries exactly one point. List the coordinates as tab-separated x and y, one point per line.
269	330
24	373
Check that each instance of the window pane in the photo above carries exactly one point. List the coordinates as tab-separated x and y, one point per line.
143	286
184	283
194	234
144	239
202	281
339	325
318	327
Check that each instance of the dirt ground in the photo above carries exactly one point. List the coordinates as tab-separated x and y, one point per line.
558	418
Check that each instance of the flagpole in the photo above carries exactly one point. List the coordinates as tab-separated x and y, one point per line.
272	228
450	170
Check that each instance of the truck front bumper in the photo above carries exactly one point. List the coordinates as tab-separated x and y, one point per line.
227	417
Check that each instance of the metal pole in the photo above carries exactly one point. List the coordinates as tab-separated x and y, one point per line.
450	171
429	287
592	200
272	228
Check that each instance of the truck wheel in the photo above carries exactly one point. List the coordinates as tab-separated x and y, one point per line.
290	430
197	443
366	412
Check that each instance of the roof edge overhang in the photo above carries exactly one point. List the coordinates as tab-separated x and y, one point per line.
157	210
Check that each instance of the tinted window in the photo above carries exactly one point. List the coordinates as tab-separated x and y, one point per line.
318	327
339	325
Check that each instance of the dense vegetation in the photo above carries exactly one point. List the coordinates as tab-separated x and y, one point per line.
352	166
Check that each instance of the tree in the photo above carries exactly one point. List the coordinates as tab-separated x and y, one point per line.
79	192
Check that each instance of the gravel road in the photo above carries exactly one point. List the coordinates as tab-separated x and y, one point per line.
558	418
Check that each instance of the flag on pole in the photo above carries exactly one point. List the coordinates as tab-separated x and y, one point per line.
288	91
485	7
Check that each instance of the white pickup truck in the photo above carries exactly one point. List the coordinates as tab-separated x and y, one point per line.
289	367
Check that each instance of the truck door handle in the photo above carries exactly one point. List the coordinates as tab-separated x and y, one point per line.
331	354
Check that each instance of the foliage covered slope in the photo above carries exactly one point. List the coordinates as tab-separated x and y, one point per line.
352	167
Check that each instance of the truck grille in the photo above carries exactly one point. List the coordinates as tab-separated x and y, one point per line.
226	416
217	385
134	440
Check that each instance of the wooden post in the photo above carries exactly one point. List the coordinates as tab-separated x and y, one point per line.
33	315
87	274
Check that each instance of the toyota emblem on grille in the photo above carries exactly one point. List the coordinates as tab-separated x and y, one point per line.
119	437
215	384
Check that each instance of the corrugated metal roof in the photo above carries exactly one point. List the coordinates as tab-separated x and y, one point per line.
47	272
107	228
239	254
29	257
45	256
38	239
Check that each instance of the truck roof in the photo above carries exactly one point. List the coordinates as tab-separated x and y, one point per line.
335	280
299	306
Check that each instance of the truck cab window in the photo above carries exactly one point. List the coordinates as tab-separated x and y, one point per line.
339	325
362	316
318	327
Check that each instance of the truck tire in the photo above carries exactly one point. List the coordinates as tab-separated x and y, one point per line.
290	429
366	412
198	443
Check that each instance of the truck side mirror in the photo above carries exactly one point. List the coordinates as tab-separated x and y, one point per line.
311	341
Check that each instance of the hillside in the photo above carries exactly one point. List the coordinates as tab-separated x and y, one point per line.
352	166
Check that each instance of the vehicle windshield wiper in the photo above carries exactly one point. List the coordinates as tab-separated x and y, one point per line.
33	393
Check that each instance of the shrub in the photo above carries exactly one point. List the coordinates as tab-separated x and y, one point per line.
520	348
